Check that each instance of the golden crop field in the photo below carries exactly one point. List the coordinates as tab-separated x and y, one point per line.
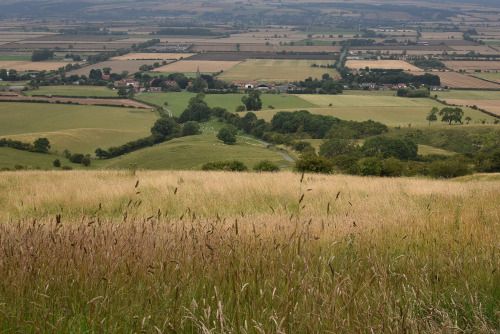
278	70
248	252
154	56
193	65
458	80
382	64
32	66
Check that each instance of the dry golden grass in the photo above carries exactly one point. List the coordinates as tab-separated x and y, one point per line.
34	66
248	253
157	56
382	64
193	65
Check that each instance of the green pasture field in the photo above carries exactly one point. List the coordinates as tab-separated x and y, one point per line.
277	70
469	95
190	153
487	76
492	42
15	58
365	100
177	102
10	157
77	91
77	128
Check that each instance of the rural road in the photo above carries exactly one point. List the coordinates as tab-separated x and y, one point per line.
286	156
169	112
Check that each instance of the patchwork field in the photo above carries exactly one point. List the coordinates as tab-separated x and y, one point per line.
78	128
193	65
278	70
32	66
153	56
382	64
193	151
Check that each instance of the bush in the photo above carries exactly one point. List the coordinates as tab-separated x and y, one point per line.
233	165
314	164
56	163
240	108
453	167
369	167
266	166
86	161
228	134
76	158
190	129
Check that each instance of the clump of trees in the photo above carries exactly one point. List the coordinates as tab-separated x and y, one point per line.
40	55
40	145
252	101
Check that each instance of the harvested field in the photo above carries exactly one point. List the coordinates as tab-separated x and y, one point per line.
382	64
193	65
241	56
278	70
11	96
153	56
117	66
458	80
473	65
213	48
441	35
313	48
405	47
492	106
32	66
257	48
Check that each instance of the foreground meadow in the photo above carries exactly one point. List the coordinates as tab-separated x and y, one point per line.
206	252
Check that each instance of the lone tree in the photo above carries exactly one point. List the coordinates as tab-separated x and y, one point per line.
450	114
252	101
432	117
41	145
228	134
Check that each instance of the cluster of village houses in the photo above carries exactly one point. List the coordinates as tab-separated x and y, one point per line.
281	88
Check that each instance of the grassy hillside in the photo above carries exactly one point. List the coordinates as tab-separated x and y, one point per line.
75	127
177	102
192	152
248	252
